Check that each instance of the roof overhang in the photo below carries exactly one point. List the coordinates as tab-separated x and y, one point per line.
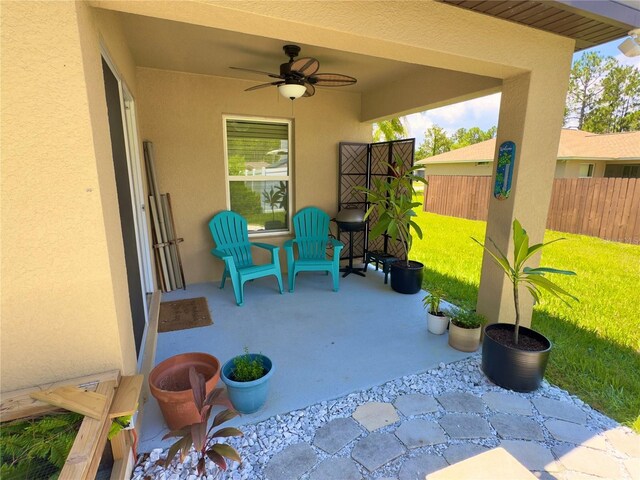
589	23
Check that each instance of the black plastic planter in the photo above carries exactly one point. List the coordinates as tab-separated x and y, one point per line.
406	279
508	367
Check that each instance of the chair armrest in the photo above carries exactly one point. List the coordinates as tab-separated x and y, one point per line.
289	243
220	254
336	243
266	246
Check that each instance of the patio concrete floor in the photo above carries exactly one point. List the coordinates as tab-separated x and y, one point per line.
324	344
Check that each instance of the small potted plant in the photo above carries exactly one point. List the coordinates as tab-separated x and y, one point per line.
247	379
513	356
200	435
465	330
392	198
437	321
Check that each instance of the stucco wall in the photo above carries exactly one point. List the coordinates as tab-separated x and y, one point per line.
182	115
62	310
572	168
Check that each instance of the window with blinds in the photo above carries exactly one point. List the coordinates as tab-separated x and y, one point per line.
259	172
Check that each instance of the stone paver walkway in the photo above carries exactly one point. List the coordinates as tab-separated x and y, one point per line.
415	434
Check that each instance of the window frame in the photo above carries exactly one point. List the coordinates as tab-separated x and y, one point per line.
591	168
253	178
630	170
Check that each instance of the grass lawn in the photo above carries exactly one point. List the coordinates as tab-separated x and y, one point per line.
596	352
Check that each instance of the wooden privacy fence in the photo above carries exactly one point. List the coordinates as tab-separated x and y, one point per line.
608	208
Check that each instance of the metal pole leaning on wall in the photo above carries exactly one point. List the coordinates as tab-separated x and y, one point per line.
165	242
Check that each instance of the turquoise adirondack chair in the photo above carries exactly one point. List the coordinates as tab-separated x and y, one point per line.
230	233
311	226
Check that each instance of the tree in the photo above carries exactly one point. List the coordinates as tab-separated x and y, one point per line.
465	137
603	95
618	108
585	86
435	142
387	130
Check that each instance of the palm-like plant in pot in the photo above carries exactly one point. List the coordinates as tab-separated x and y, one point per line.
392	198
513	356
437	320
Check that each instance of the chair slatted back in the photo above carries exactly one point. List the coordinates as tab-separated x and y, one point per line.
229	231
311	227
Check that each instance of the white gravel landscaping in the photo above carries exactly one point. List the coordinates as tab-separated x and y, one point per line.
263	440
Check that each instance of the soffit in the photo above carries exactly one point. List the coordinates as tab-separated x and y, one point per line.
588	23
177	46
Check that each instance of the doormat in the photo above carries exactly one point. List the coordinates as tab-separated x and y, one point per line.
184	314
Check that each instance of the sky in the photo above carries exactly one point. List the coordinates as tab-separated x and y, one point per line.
483	112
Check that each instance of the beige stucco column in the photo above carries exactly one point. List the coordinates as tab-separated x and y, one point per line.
531	112
64	296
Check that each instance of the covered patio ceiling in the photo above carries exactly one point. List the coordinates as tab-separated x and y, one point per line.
185	47
169	45
196	48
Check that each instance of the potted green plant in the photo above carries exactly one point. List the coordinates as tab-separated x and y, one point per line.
169	384
437	321
465	330
199	435
247	379
513	356
392	198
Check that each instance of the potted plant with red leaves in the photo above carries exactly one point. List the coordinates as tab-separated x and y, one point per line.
513	356
203	438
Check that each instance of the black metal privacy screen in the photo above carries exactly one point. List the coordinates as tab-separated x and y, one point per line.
359	163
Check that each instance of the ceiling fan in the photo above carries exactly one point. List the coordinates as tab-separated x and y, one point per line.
299	77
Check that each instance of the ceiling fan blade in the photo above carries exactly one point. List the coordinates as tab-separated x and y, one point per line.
263	85
272	75
331	80
311	90
306	66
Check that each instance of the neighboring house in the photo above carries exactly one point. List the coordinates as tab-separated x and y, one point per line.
84	82
580	154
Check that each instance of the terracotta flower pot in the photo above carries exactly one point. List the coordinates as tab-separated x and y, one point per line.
169	384
464	339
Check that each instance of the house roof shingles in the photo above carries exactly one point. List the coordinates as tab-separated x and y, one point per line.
574	144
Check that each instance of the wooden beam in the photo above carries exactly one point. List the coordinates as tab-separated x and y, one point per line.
123	460
19	403
74	399
126	399
149	354
90	440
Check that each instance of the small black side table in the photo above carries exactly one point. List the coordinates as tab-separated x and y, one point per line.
350	268
380	258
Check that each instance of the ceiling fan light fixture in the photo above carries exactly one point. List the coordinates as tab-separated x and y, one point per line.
292	90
